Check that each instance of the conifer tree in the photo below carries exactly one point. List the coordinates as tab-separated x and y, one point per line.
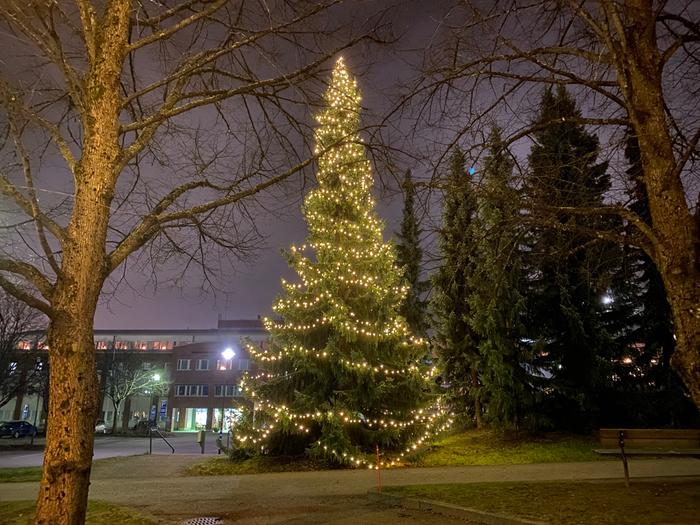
409	255
642	373
341	374
455	341
496	303
568	274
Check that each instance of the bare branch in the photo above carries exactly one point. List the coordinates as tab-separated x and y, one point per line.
166	33
9	190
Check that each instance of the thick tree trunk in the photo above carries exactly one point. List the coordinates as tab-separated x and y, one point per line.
676	230
84	268
70	432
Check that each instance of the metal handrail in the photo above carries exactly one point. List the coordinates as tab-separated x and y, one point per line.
150	439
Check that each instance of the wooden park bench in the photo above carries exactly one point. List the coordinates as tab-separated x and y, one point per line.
625	442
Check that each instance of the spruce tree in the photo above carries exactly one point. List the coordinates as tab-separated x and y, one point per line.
643	376
455	341
496	303
341	374
409	255
568	273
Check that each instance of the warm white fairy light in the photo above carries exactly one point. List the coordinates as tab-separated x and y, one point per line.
349	286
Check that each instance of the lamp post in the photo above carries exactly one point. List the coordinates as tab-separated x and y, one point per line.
153	419
227	355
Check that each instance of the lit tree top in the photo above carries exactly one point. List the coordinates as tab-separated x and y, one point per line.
352	280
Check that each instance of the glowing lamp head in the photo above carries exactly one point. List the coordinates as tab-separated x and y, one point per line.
228	354
156	377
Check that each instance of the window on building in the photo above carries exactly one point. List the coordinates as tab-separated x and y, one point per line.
183	364
227	390
202	364
243	364
192	390
224	364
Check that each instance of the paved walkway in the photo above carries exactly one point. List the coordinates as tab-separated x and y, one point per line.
151	484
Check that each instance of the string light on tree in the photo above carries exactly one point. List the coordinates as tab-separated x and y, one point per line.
342	372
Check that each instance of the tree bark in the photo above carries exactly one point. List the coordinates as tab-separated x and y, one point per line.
677	236
70	432
115	415
126	415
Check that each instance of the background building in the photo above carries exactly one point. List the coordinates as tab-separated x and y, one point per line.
187	379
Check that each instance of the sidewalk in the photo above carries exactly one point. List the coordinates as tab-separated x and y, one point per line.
151	484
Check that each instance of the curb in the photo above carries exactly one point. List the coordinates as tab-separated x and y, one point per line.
447	509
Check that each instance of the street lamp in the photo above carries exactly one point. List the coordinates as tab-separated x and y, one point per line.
153	419
227	354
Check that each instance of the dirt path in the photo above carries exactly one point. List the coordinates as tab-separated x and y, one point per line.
152	484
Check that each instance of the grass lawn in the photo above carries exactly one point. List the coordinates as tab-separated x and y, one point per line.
222	466
486	447
473	447
19	474
98	513
574	503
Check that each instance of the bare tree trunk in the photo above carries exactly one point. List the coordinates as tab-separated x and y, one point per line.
19	395
114	416
72	410
126	415
676	230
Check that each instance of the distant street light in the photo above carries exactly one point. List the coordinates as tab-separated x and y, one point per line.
227	354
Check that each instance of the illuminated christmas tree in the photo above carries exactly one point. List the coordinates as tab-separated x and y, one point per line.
342	372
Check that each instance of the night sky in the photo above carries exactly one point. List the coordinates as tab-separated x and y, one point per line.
249	289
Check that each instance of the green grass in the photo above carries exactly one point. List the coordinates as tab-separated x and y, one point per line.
20	474
574	503
98	513
473	447
256	465
486	447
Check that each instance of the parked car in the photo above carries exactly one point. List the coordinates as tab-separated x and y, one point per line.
101	427
17	429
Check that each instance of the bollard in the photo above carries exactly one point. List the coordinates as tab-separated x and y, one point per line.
201	437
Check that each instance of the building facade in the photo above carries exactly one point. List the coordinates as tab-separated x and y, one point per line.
184	380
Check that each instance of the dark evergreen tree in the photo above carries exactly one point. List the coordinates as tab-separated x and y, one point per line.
455	341
646	390
568	271
409	255
497	304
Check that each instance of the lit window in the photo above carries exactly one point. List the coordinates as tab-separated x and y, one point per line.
224	364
